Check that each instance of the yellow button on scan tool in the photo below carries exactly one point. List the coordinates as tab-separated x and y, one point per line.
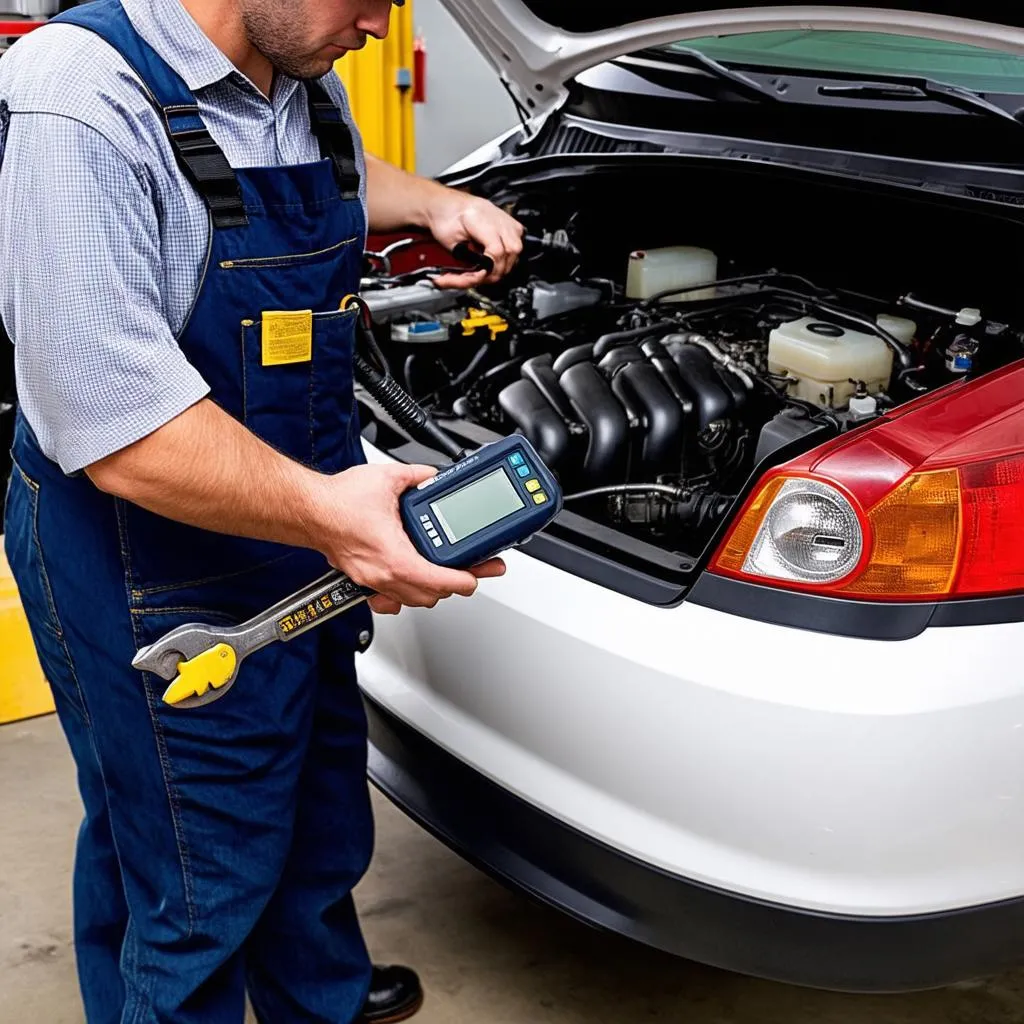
539	498
532	485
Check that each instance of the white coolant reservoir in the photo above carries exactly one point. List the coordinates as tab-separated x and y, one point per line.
824	358
899	327
654	271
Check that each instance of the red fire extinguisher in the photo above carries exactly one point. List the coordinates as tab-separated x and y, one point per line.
419	70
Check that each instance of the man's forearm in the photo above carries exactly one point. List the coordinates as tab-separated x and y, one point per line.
397	199
206	469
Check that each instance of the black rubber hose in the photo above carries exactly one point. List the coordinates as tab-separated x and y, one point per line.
404	409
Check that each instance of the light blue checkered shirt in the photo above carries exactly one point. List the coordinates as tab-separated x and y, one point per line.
102	239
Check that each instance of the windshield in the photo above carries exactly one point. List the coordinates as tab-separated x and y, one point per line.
869	53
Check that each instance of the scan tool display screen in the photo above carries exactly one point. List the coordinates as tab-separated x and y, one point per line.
473	508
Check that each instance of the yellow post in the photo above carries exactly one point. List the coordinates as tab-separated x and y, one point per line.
379	83
24	692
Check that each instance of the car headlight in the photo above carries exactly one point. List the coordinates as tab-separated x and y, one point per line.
810	534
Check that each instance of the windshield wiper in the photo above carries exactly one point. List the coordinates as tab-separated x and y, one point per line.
923	89
685	56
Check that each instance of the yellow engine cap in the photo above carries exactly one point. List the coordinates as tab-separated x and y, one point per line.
210	670
480	319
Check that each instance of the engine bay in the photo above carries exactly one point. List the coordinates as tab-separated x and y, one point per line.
654	381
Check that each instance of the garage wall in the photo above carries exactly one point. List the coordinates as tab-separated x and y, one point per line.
466	105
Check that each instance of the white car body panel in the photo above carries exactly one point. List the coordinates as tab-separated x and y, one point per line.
814	771
535	59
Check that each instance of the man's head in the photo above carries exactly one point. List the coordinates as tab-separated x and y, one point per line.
303	38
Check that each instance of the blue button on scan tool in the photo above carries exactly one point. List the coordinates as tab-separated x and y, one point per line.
515	460
524	471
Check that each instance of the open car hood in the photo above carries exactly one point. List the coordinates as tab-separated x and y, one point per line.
536	46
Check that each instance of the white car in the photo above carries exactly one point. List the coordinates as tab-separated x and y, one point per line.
756	697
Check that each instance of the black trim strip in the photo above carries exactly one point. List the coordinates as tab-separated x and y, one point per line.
982	611
864	620
533	852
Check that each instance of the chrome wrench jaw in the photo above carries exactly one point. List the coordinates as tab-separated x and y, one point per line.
162	658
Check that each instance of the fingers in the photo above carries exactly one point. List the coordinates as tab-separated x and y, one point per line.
468	280
498	235
384	605
412	580
511	247
412	475
502	244
490	569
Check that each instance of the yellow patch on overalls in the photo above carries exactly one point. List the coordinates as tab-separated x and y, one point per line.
287	337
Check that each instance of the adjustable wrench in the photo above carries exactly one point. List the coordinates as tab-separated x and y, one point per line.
201	662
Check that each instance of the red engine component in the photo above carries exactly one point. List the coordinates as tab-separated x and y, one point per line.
398	252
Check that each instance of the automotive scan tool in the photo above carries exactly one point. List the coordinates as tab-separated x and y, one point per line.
484	503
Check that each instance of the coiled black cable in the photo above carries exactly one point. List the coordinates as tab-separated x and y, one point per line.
393	398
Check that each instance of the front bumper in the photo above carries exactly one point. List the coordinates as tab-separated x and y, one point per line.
559	865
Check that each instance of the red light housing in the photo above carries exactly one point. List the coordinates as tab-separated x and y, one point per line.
930	500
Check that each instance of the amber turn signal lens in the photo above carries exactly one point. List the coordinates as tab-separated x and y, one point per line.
915	539
739	542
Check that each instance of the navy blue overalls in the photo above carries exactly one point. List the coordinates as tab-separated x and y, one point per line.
220	845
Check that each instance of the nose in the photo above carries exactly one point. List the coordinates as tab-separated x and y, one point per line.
375	18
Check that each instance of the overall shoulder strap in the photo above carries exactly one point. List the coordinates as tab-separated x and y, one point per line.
200	158
335	139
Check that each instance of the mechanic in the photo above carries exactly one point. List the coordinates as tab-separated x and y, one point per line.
184	204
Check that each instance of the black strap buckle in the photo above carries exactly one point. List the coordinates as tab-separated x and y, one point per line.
206	166
335	139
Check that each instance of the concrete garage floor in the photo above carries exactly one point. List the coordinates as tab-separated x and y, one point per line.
486	956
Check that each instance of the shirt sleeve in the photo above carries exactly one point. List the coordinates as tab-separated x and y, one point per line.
98	366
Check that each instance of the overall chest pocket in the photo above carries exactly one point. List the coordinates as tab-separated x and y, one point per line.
297	389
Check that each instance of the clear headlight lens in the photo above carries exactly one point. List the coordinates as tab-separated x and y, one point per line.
810	534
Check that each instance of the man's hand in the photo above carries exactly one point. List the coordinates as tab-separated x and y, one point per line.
399	200
456	217
364	537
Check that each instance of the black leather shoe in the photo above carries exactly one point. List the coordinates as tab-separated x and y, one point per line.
395	994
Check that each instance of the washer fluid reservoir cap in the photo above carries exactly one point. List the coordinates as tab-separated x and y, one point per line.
969	317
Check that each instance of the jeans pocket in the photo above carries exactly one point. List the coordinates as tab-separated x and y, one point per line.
25	557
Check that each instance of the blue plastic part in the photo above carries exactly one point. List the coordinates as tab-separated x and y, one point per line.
511	529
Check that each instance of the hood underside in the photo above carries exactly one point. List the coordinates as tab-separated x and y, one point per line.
576	17
536	46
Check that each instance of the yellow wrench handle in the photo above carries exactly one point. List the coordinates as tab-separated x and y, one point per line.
210	670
